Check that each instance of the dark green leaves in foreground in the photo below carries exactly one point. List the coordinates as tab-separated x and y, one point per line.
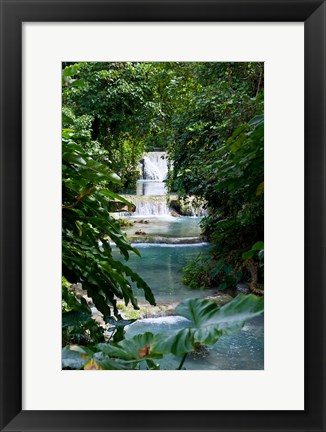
88	230
207	323
127	354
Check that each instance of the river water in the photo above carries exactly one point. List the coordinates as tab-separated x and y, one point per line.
160	266
166	226
171	243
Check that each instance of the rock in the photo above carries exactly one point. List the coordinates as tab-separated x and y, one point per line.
166	240
146	310
220	299
125	222
174	213
163	309
140	232
188	207
242	288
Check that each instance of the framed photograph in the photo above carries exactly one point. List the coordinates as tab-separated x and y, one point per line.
274	51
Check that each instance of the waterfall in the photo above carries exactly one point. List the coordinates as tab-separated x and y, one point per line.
154	166
150	188
151	192
150	198
147	206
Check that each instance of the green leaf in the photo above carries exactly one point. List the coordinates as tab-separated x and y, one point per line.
80	357
114	197
75	318
119	323
260	189
74	158
73	359
70	70
257	120
208	322
109	363
249	254
218	267
228	269
222	286
138	280
258	246
78	83
152	365
138	348
66	119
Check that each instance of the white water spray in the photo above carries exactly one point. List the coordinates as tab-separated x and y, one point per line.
154	166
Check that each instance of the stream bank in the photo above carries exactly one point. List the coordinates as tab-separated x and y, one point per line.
167	242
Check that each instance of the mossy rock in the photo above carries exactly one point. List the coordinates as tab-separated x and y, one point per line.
142	221
220	298
140	232
123	222
186	207
164	309
146	310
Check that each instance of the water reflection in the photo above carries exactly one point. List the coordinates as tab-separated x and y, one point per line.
160	266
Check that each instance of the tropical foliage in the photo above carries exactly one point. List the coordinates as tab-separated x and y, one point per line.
87	230
207	322
218	156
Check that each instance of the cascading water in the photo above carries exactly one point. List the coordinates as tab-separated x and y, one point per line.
150	198
148	205
154	166
151	191
150	188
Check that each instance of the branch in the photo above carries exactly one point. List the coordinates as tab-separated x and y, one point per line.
79	198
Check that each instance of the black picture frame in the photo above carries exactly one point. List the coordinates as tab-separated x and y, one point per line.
13	14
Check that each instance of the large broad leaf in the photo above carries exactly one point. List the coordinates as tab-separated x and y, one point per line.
208	322
80	357
74	359
117	327
75	318
137	348
70	70
256	248
127	354
78	83
257	120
